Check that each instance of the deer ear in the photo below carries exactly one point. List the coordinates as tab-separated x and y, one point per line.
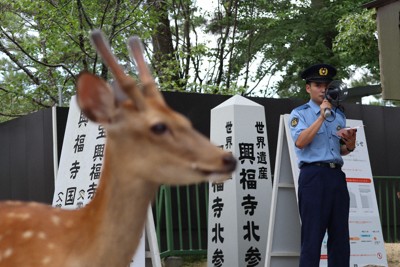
95	98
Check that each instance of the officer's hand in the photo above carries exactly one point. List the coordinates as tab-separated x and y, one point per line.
349	138
324	105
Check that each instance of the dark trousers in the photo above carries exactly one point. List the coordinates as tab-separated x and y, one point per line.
324	206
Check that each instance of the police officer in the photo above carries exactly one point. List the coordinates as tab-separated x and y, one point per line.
322	191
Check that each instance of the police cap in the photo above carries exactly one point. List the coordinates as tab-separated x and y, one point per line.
319	73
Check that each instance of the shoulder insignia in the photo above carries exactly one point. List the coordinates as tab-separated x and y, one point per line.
294	122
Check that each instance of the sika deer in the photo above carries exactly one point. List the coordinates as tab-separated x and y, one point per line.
147	144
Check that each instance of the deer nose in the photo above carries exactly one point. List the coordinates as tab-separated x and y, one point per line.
229	162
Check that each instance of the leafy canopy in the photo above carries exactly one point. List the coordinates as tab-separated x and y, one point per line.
250	47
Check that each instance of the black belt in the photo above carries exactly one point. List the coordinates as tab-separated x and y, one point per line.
323	164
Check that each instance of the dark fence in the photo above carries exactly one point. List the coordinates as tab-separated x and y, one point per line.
181	216
386	188
26	152
26	156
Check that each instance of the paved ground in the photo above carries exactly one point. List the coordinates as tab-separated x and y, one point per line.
392	252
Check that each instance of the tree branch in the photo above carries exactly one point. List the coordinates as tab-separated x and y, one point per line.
30	57
19	64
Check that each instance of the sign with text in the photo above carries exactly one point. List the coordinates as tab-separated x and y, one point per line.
239	207
80	166
366	238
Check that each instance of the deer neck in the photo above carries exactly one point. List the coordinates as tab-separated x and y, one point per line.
117	213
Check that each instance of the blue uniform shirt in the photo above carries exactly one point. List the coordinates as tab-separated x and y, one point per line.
325	147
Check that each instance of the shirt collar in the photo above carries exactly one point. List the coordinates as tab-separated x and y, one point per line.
314	106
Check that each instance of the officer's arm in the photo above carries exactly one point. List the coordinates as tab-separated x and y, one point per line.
307	135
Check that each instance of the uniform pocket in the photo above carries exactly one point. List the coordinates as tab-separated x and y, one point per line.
335	135
335	138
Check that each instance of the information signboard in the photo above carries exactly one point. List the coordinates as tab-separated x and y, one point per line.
366	238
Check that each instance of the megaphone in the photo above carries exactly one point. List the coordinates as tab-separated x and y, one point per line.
335	92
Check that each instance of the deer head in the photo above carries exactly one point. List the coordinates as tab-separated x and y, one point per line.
143	129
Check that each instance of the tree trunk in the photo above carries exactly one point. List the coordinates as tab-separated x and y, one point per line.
162	40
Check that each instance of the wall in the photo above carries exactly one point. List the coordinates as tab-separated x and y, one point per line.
26	156
26	161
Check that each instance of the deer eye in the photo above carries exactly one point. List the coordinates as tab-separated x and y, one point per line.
159	128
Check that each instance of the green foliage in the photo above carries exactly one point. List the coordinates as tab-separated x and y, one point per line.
248	47
304	36
45	45
357	42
